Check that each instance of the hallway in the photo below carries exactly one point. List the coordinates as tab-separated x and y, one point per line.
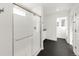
27	28
59	48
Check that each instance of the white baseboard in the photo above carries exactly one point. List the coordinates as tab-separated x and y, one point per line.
37	52
52	39
75	52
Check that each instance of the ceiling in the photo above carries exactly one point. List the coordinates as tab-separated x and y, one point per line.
56	7
50	7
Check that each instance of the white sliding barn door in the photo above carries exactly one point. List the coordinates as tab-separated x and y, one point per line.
26	32
36	34
23	32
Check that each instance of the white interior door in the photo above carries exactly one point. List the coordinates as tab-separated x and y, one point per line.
36	34
62	30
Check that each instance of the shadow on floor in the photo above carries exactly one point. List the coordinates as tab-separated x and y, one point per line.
56	48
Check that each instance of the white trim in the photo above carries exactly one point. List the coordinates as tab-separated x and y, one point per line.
37	52
75	52
52	39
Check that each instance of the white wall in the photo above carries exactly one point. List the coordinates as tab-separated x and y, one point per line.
6	30
50	23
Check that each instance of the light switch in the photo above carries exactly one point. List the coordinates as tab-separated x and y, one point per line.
1	10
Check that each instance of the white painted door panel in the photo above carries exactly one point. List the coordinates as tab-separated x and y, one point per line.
23	47
23	31
28	46
6	29
23	25
19	49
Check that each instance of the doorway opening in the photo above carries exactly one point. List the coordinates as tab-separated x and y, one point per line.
62	28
